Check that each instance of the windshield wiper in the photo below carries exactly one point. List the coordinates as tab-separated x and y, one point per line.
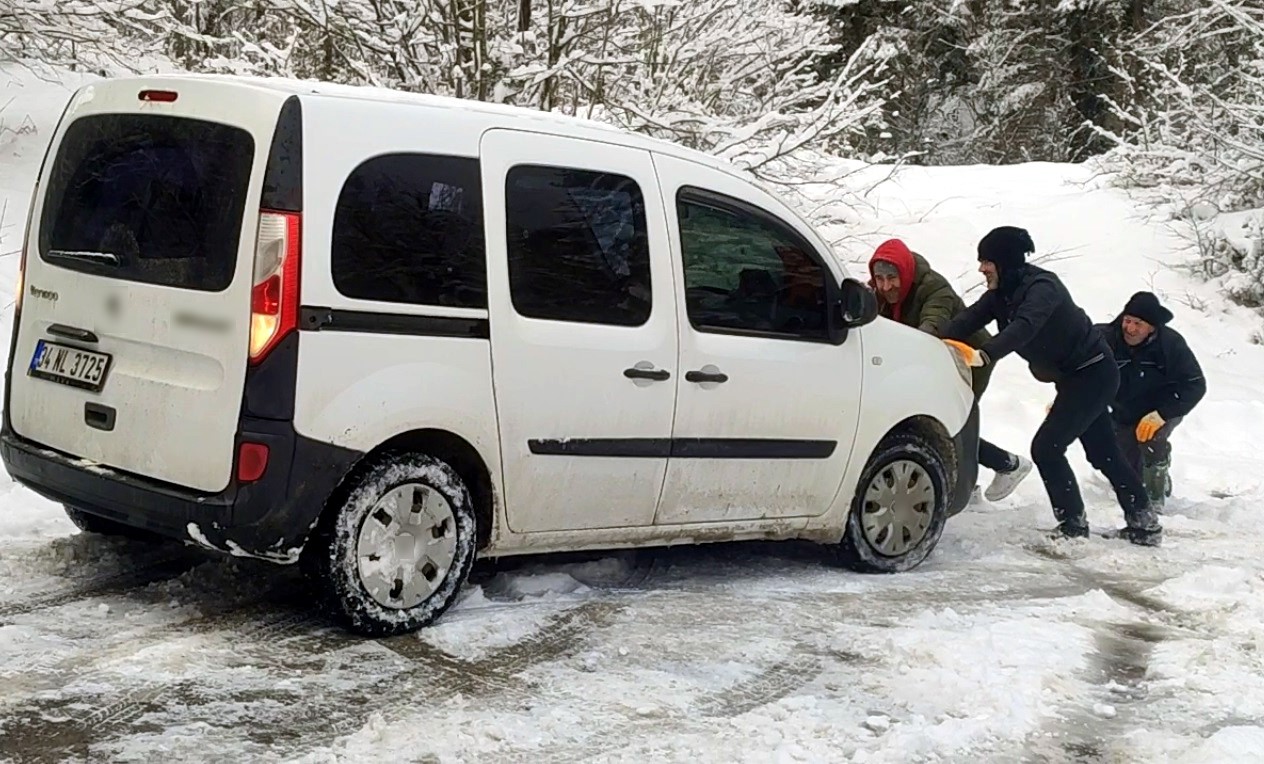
100	258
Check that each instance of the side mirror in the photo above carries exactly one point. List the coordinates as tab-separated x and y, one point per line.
858	304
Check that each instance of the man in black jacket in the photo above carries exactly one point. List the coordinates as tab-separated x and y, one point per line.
1040	322
1160	382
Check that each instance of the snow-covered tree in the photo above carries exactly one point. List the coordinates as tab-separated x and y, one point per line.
1190	127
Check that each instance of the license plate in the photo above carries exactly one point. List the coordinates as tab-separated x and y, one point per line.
67	365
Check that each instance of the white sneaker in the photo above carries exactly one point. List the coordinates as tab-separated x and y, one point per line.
1004	483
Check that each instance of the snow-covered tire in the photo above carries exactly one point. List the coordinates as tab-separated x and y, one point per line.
338	558
90	523
912	459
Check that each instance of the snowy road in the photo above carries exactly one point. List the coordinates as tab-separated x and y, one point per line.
999	648
730	653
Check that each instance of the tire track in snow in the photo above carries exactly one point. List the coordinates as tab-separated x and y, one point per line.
101	586
35	729
261	616
435	676
768	686
58	728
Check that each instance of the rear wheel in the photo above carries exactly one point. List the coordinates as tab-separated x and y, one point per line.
900	507
395	549
90	523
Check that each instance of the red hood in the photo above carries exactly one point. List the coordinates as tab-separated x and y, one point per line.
897	253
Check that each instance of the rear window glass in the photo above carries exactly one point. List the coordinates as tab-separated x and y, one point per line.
148	198
409	229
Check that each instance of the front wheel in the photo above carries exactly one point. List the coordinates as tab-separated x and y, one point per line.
900	507
393	553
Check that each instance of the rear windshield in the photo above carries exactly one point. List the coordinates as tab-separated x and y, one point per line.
148	198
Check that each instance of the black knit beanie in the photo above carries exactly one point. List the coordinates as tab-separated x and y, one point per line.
1006	246
1145	306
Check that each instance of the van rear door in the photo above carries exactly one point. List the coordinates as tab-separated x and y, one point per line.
132	342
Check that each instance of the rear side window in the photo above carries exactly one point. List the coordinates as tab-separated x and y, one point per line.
578	246
147	198
409	228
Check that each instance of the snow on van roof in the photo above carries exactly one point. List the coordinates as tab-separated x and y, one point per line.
500	114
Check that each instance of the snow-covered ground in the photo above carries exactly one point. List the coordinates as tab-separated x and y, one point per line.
1000	648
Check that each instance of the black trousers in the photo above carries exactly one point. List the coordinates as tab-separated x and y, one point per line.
1079	412
1157	449
994	457
991	456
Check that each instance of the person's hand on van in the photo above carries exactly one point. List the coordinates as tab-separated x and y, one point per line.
973	358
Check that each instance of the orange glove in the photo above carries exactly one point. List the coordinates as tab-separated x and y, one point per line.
971	356
1148	426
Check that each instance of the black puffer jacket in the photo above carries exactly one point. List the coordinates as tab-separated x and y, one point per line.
1038	320
1161	374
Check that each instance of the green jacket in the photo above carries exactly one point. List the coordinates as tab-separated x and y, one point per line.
930	304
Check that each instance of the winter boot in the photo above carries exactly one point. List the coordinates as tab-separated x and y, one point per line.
1004	483
1136	536
1158	483
1069	530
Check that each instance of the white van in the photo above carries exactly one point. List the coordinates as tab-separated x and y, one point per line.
383	334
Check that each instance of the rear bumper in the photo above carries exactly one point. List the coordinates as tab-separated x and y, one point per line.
966	444
269	519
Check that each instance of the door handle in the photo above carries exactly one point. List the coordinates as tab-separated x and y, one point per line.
98	416
657	375
706	376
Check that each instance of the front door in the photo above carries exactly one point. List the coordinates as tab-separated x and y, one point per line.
583	330
767	406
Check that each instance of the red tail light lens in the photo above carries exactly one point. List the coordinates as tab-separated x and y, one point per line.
252	462
26	243
274	297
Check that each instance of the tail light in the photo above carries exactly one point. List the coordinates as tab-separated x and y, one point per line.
17	295
26	242
274	297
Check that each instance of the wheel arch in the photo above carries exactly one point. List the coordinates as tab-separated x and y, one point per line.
457	451
931	429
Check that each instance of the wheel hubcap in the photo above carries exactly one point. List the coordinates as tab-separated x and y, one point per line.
898	507
406	546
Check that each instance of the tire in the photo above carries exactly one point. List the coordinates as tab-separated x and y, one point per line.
359	533
100	526
901	457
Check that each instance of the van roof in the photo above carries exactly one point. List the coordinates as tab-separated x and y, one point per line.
497	115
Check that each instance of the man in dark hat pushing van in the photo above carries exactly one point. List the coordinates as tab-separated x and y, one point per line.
1040	322
914	294
1160	382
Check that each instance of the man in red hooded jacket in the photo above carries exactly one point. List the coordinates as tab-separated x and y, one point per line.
910	292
